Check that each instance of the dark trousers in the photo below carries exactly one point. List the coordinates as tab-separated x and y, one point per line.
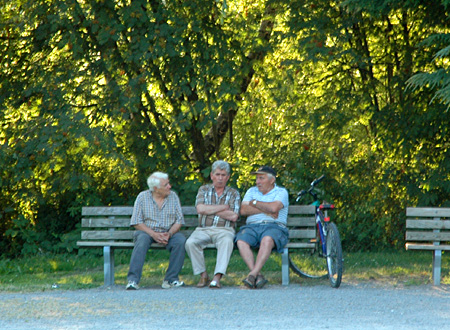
142	242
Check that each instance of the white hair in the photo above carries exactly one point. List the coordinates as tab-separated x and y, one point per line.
154	180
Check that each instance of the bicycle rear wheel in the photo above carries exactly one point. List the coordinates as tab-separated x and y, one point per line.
334	256
308	263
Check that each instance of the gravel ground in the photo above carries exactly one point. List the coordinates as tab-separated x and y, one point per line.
352	306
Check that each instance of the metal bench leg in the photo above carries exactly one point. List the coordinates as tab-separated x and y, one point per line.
437	258
108	265
285	267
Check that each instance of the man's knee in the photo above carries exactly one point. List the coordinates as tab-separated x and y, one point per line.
142	239
190	244
242	244
178	240
226	242
267	242
180	237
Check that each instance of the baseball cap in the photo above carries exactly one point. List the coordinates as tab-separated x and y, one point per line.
265	170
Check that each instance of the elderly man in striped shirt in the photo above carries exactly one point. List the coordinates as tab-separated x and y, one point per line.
218	210
157	217
266	207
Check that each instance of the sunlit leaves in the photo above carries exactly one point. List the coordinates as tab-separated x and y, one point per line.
98	94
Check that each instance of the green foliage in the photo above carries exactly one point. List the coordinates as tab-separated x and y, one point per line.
95	96
335	104
437	76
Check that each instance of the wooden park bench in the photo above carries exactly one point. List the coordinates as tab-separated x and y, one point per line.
428	228
108	227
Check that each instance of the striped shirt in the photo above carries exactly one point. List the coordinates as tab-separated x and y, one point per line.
147	211
276	194
207	195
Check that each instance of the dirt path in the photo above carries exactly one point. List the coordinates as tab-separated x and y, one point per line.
274	307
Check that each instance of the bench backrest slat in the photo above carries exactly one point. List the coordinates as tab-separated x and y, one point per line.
301	221
190	222
295	234
123	210
106	222
188	210
302	209
106	210
427	224
107	234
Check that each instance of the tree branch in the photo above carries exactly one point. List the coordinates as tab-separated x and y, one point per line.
225	119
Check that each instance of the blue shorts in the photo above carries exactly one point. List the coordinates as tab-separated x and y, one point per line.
253	234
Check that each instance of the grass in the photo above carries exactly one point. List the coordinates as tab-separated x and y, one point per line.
72	272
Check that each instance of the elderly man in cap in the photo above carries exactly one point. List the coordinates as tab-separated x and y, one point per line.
266	207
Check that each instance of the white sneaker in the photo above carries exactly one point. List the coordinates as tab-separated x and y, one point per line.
132	285
174	284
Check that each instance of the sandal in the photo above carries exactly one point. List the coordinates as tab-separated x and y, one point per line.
215	285
260	282
249	281
204	281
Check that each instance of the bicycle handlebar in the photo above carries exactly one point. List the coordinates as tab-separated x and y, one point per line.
316	181
309	191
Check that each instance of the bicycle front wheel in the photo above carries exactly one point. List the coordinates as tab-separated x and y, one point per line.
334	256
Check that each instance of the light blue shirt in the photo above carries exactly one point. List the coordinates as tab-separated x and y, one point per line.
276	194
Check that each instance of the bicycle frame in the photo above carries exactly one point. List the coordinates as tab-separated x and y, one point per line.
322	221
327	244
322	218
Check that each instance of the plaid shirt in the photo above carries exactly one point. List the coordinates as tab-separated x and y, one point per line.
147	211
207	195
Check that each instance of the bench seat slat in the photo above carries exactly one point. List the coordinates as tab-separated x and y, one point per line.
430	247
301	245
304	245
427	236
105	243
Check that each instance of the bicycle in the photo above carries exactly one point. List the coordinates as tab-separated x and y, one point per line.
324	259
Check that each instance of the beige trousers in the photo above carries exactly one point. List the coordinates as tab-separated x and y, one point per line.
221	237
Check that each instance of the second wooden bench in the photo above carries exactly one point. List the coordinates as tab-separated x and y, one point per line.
428	228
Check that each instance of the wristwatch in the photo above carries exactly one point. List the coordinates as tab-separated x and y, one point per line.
254	202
